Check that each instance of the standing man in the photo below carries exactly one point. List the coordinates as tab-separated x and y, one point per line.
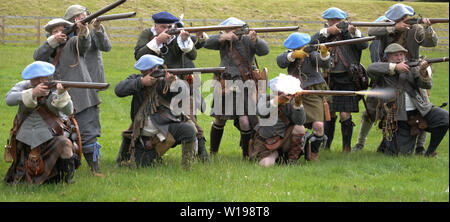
41	151
340	77
155	127
304	66
99	42
68	56
409	103
369	115
237	54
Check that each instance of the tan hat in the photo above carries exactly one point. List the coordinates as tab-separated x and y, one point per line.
56	22
74	10
394	47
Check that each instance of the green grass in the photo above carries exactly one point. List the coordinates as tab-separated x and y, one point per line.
362	176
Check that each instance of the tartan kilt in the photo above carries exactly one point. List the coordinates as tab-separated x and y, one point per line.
343	81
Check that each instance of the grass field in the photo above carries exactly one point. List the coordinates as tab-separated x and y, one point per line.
355	177
362	176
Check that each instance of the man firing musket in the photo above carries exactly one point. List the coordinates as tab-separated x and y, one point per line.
411	37
237	54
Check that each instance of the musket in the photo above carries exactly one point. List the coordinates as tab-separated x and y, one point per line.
70	84
116	16
429	61
410	21
173	31
246	29
315	47
186	71
72	28
343	93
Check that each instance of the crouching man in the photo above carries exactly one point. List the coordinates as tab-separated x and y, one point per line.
283	140
39	145
155	127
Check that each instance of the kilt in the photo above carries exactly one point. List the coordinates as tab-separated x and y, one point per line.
343	81
313	104
258	151
243	103
49	151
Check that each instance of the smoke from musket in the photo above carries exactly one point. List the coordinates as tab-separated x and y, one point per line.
384	94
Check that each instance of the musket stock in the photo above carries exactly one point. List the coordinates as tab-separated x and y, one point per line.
410	21
429	61
70	84
315	47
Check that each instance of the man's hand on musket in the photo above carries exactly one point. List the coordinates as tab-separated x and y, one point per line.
333	30
402	67
283	98
423	68
40	90
184	35
426	22
96	23
163	37
323	50
297	100
148	80
401	25
229	36
253	36
170	77
60	88
82	28
351	29
60	37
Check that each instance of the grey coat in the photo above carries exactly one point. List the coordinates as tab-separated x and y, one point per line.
309	74
132	86
71	68
34	130
247	49
295	116
387	35
380	72
94	60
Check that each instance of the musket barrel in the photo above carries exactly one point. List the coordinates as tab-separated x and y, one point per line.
195	70
329	92
372	24
275	29
204	28
88	85
348	41
116	16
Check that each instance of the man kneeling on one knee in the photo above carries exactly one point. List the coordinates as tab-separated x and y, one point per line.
282	141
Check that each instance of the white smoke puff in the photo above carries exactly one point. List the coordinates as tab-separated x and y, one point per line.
285	83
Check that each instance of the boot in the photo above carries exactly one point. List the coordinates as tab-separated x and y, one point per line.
67	168
347	131
245	139
366	125
93	165
202	153
188	154
215	137
329	127
296	148
315	142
